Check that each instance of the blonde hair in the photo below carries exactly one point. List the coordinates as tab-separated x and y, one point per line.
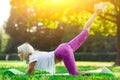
26	49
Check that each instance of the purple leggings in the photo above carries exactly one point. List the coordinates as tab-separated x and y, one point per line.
65	51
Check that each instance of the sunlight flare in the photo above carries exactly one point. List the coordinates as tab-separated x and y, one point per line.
5	11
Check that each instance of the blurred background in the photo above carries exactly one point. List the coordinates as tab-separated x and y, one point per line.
47	23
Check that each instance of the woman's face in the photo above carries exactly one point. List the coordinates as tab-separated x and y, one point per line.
20	55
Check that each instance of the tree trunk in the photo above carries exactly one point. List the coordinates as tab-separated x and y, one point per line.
117	63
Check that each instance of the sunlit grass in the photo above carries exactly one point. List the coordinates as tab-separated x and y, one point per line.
8	64
81	66
90	63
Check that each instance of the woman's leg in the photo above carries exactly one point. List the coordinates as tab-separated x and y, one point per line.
65	52
76	42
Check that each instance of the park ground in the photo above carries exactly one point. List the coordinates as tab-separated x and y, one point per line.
81	66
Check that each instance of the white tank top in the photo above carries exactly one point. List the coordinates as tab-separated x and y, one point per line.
44	61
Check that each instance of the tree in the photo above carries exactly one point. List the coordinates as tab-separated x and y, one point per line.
24	26
116	16
40	21
38	18
111	21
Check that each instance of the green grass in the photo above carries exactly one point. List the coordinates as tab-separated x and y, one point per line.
81	66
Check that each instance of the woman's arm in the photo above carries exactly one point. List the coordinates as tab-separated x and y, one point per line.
31	67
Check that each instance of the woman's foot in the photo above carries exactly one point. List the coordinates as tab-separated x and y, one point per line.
101	6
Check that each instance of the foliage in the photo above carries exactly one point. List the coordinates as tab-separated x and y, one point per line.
47	23
100	44
3	40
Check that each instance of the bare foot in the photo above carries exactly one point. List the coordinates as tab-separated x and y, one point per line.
81	73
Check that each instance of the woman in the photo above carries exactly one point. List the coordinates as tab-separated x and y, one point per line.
64	52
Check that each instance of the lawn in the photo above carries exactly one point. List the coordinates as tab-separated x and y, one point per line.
81	66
